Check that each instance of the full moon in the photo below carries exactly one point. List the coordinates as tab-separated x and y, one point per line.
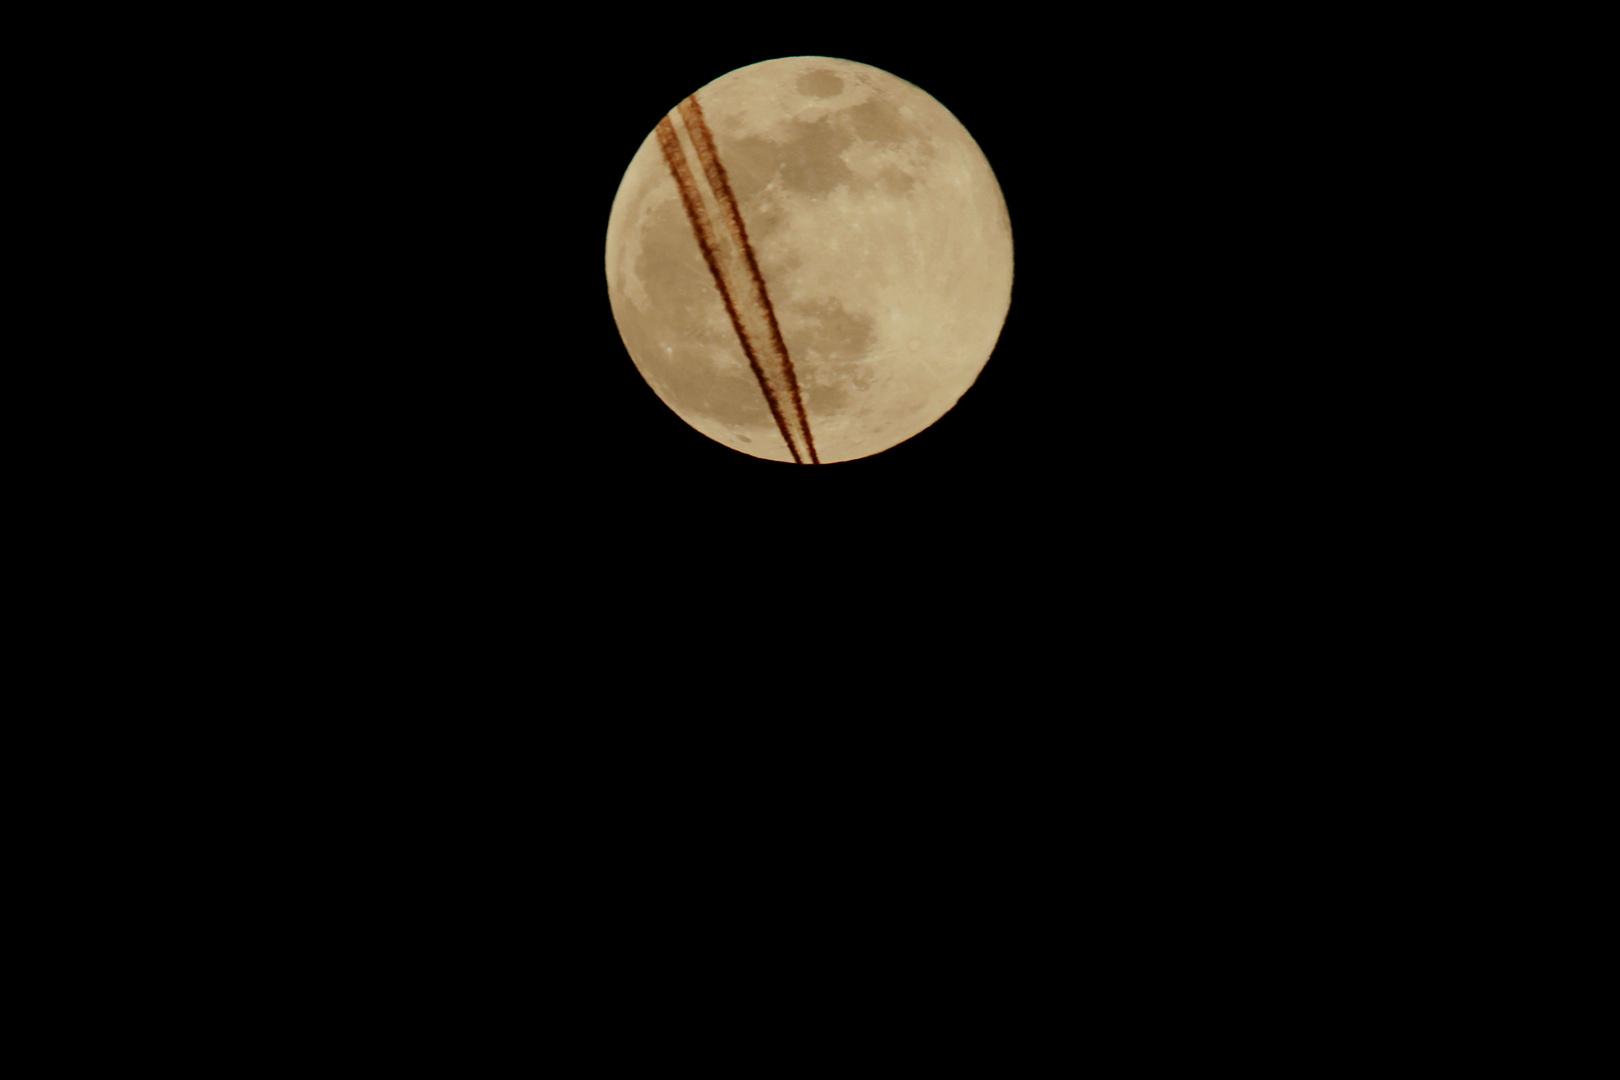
809	260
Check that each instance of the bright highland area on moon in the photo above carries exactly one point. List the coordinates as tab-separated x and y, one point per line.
882	239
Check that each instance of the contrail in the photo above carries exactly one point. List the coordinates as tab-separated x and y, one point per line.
731	261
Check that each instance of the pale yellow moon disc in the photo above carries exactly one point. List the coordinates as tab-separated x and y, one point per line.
813	262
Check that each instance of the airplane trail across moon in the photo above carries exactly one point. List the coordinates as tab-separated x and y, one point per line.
731	261
878	225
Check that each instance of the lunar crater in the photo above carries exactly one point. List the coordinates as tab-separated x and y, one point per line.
819	84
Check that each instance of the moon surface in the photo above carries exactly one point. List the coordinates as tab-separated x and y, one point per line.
809	259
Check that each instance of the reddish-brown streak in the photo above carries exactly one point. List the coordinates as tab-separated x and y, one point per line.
670	144
703	143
